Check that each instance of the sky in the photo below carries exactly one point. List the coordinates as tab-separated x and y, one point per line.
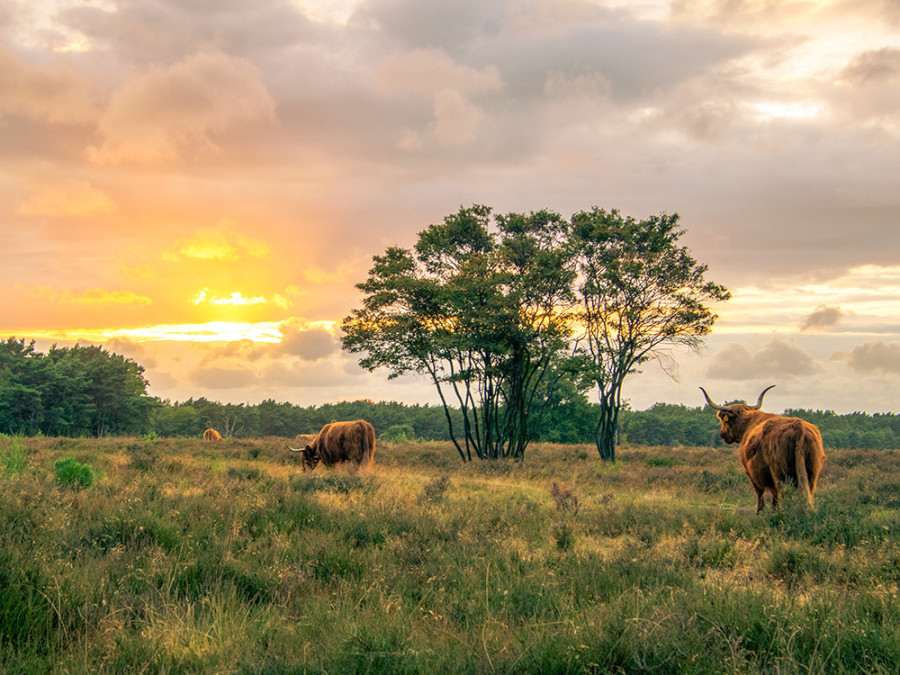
200	184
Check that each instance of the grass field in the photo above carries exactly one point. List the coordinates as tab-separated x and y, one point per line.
179	556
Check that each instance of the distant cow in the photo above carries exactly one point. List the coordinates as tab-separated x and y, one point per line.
212	435
340	442
773	448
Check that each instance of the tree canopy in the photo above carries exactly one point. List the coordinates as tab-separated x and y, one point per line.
482	311
639	292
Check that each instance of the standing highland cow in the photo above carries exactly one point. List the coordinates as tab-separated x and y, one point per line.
773	448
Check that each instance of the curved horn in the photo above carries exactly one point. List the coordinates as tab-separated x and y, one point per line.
709	400
293	449
759	402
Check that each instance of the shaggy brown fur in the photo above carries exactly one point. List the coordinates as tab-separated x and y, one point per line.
212	435
773	448
340	442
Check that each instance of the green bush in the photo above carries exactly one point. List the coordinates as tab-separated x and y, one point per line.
72	473
399	433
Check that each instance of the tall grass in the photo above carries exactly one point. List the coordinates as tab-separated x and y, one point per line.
185	558
12	454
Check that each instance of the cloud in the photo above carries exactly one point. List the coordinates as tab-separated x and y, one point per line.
68	198
317	275
823	317
234	353
432	73
237	299
456	120
318	374
54	95
446	24
179	112
222	243
874	67
310	344
223	377
132	350
777	359
94	296
873	78
876	356
428	71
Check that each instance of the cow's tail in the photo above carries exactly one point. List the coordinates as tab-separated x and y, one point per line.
802	450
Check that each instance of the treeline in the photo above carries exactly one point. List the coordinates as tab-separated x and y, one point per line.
661	424
87	391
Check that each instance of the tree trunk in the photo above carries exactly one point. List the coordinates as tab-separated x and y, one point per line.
605	432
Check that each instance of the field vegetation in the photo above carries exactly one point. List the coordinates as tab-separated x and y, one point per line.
182	556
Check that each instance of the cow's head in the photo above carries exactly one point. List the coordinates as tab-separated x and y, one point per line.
308	456
734	417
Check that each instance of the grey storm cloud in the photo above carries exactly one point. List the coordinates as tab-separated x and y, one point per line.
777	359
821	318
876	356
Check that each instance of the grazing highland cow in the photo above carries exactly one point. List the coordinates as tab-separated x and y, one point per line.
773	448
340	442
212	435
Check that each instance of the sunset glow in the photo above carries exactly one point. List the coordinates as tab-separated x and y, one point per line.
214	331
200	186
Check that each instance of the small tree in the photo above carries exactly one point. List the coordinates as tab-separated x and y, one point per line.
640	292
482	313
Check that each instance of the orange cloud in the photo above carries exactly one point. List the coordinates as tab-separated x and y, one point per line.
94	296
137	271
221	243
319	276
171	114
67	198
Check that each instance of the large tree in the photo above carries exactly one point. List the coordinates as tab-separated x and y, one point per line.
482	311
640	292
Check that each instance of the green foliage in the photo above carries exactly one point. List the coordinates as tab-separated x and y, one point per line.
70	472
482	312
639	292
490	316
399	433
71	391
12	454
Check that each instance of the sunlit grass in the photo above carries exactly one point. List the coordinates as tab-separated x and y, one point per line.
182	557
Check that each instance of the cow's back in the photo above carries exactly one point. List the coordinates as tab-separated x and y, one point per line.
346	442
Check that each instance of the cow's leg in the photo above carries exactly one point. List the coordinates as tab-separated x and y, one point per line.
776	496
760	498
